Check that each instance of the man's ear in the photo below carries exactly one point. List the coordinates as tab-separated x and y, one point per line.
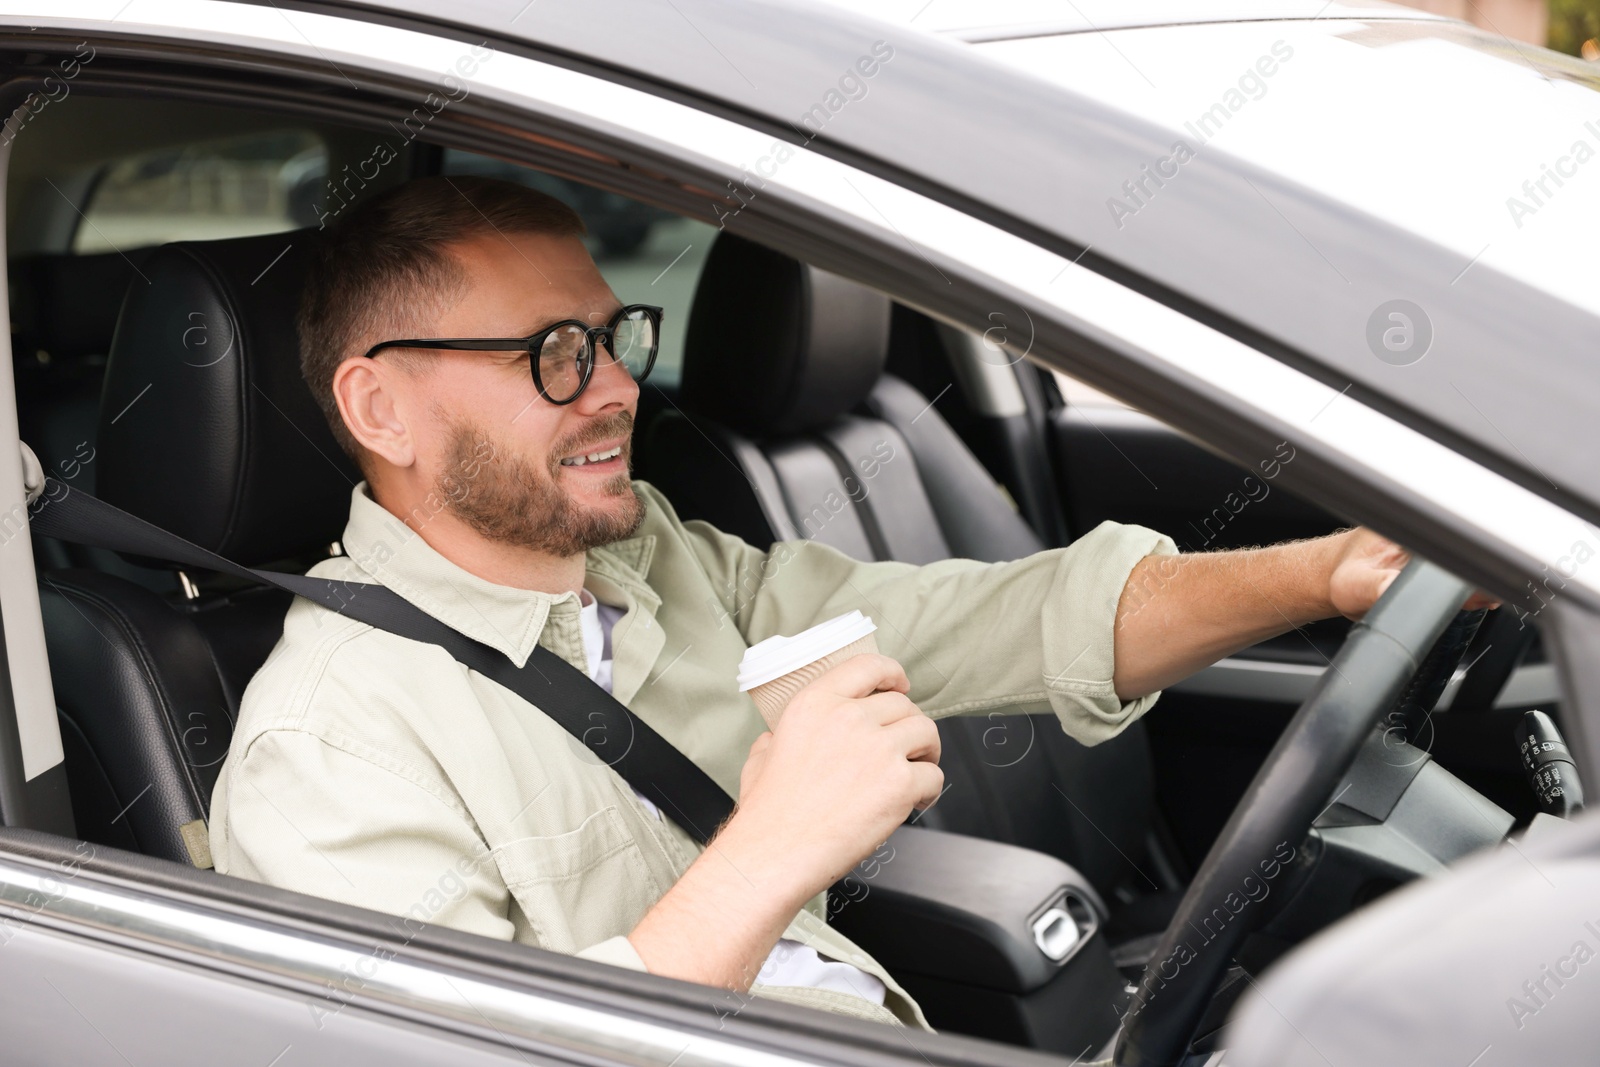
372	400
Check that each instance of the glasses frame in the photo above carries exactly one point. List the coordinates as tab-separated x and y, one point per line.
594	337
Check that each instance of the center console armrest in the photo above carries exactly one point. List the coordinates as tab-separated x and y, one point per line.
968	910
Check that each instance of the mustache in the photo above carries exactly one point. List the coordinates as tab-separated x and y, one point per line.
601	430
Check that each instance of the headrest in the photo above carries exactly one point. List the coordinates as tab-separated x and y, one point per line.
51	313
206	427
775	346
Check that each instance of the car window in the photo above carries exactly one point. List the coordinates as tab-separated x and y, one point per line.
235	187
647	255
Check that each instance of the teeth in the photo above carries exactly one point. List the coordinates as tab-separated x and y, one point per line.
592	457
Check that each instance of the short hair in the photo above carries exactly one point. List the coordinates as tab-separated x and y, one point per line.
384	269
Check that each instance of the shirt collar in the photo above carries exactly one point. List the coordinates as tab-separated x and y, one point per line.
503	617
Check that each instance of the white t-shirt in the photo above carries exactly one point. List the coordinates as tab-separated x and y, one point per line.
790	962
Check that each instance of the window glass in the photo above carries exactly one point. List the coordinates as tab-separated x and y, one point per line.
647	255
238	187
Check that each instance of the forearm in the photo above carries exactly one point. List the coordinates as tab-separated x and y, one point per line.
718	923
1180	613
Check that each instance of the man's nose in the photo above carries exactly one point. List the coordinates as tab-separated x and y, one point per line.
610	385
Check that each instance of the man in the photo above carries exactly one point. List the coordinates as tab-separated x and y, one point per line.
378	771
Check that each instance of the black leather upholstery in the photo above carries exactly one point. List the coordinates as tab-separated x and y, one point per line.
204	373
144	693
215	436
873	469
66	305
63	313
779	346
952	478
783	365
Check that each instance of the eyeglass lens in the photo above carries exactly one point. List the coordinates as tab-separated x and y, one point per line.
566	350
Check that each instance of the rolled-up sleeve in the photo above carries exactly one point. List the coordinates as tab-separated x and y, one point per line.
617	951
1078	620
1026	636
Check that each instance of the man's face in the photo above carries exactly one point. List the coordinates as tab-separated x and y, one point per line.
500	454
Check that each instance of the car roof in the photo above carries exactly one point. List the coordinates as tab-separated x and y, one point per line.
996	20
1243	248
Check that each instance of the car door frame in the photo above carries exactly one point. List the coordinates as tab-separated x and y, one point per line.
342	984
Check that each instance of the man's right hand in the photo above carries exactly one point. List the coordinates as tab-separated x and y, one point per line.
851	757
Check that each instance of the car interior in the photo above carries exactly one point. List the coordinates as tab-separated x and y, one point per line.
853	420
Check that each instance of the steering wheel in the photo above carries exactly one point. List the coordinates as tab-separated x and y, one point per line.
1400	655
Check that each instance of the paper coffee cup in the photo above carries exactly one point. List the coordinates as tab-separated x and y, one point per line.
774	670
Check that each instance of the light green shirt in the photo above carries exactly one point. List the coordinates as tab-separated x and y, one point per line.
374	770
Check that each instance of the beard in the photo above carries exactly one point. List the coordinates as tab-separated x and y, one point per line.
510	500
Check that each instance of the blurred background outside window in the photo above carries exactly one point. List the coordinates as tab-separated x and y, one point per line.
1570	26
234	187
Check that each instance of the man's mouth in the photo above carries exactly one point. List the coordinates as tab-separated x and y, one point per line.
602	456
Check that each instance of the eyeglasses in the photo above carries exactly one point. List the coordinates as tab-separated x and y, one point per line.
563	356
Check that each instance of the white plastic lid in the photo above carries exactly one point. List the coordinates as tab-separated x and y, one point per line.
778	655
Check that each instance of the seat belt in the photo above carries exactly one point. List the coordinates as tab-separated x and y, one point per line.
645	760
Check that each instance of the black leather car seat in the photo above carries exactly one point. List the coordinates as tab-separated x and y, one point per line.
788	427
221	443
63	313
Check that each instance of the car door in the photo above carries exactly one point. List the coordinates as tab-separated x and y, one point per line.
112	958
245	955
